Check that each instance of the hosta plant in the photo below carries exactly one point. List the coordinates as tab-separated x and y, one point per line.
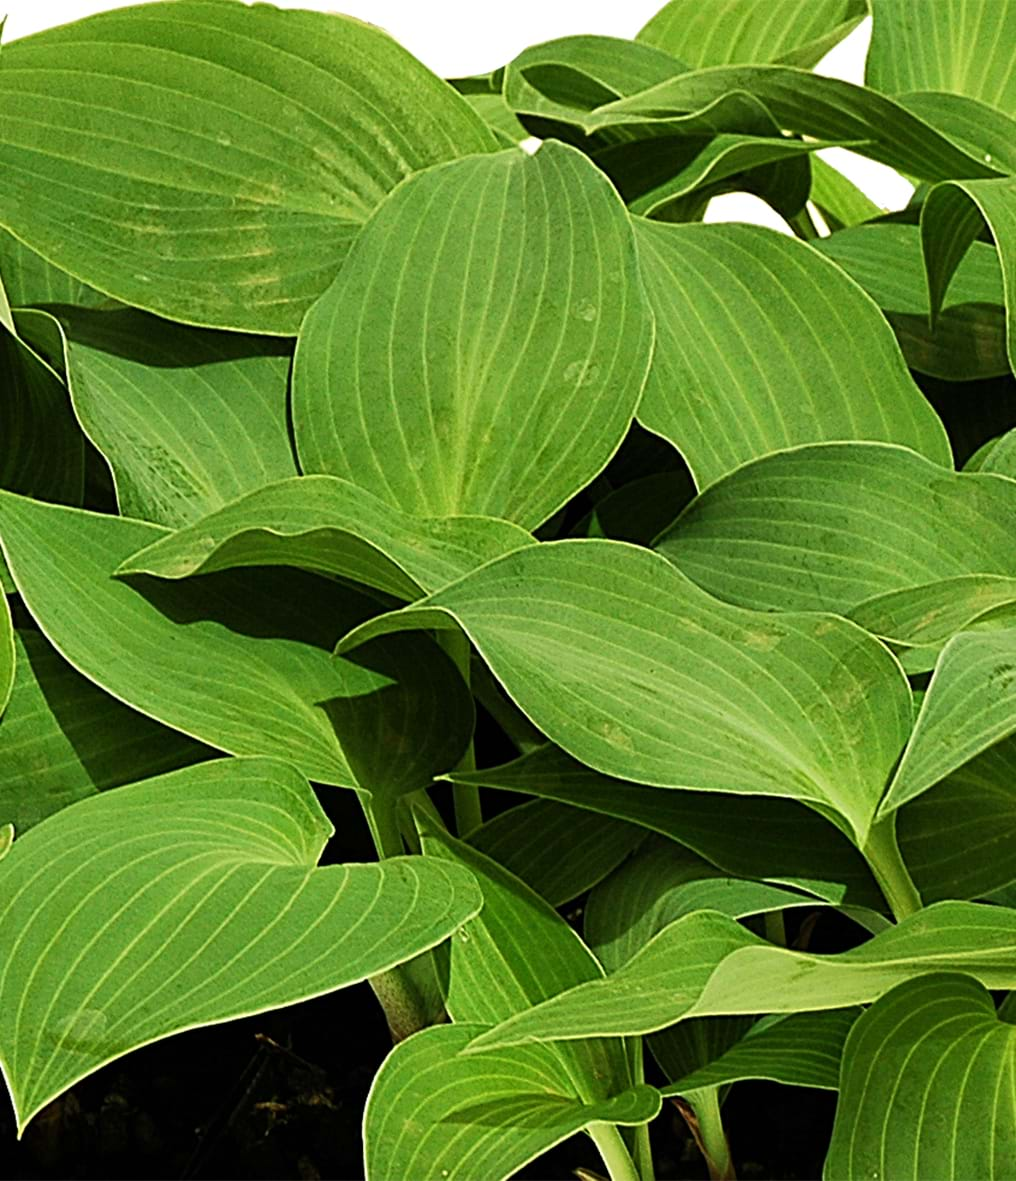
412	445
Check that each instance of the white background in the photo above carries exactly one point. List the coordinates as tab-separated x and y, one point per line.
457	37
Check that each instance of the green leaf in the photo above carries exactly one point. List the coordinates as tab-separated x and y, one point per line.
330	525
188	420
507	399
516	953
927	1087
918	621
958	46
998	456
62	739
806	103
705	964
435	1113
839	200
499	117
8	659
557	850
958	839
798	1050
744	836
826	528
661	883
967	342
797	32
249	673
30	279
969	706
219	159
44	450
951	218
724	158
186	900
761	345
559	81
633	670
982	131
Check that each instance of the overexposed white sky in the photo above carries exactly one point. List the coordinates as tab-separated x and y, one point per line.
458	37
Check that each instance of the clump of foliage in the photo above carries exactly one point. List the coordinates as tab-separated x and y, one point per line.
335	422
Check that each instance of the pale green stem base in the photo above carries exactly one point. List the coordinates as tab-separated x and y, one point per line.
468	813
882	854
615	1155
712	1138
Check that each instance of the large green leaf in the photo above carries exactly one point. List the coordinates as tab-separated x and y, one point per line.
557	850
958	46
799	1050
826	528
951	218
554	84
433	1112
43	451
485	347
188	420
706	964
761	345
30	279
516	953
241	660
967	341
797	32
8	658
744	836
62	739
633	670
326	524
970	705
927	1087
218	159
812	105
839	200
982	131
660	883
190	899
958	839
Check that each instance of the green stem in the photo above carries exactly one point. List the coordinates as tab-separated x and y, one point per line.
615	1155
383	821
468	813
882	853
523	735
643	1151
710	1134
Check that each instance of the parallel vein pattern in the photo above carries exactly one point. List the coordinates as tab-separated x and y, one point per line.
486	344
218	159
186	900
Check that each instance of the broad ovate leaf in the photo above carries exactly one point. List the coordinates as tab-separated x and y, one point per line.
63	739
968	339
829	527
240	660
763	345
187	419
435	1112
952	217
633	670
763	837
186	900
796	32
957	46
333	526
218	158
486	344
927	1086
798	1050
706	964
